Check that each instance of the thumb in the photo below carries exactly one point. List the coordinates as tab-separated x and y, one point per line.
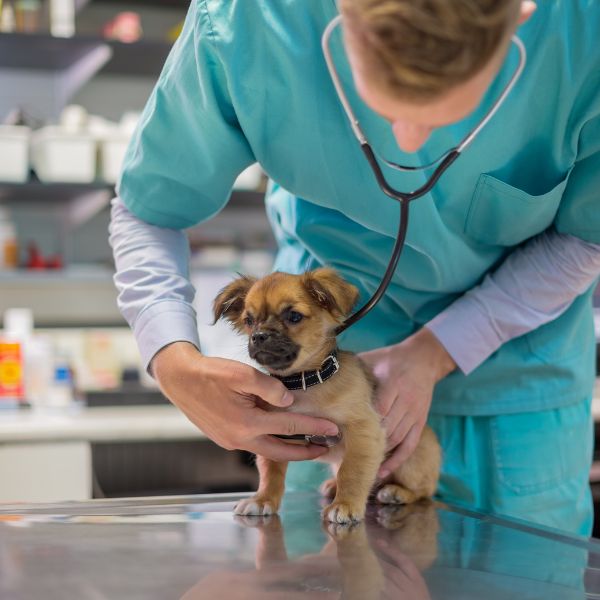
270	389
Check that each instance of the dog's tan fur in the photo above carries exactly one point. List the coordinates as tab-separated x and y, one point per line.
325	300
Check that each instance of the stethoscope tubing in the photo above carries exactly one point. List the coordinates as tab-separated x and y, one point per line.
404	200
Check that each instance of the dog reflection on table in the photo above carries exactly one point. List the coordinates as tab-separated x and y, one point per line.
290	321
383	557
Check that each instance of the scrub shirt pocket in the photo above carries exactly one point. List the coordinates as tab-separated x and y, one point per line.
503	215
535	452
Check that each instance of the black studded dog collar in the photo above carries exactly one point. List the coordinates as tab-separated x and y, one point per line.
306	379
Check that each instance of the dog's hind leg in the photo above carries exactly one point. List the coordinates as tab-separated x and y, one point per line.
418	476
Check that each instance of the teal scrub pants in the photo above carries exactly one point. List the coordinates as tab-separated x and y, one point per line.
531	466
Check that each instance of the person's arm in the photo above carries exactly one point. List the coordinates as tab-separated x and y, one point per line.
179	170
539	281
155	297
534	285
155	294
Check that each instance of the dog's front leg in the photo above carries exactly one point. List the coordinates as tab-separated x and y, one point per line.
271	486
364	443
362	576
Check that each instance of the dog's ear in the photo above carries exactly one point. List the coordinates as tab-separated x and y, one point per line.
229	302
331	292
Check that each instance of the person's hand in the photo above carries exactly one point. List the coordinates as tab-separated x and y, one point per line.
403	580
227	401
406	373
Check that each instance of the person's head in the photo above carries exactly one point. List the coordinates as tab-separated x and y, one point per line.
423	64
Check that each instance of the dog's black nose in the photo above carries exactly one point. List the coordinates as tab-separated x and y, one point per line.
260	337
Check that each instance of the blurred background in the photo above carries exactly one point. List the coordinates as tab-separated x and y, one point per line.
78	416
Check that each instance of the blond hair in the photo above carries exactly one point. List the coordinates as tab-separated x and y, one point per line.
418	49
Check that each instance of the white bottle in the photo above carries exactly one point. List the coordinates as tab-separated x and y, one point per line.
9	255
8	22
39	371
62	18
38	367
61	391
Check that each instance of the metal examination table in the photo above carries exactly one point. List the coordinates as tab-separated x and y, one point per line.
193	548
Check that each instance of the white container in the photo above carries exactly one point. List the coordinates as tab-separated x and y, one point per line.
112	153
14	153
61	156
60	394
62	18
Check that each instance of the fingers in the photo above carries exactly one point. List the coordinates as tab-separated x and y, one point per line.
280	451
402	452
397	435
285	423
386	400
268	388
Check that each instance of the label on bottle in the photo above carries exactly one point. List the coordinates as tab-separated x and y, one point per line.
10	254
11	371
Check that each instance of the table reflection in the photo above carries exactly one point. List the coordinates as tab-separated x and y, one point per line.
380	559
194	548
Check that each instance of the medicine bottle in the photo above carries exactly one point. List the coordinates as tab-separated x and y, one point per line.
9	253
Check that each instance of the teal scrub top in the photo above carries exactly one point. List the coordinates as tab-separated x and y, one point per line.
247	82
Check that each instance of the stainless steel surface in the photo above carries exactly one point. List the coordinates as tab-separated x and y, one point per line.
194	548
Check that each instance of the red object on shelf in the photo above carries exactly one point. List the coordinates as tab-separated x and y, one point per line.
36	261
54	262
125	27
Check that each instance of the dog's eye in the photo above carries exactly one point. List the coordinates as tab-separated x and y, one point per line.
249	320
294	317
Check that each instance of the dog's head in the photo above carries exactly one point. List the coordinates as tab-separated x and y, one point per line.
290	320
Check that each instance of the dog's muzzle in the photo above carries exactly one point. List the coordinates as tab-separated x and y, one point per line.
271	349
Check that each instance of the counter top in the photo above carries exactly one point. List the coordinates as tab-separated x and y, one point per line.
101	424
193	548
116	423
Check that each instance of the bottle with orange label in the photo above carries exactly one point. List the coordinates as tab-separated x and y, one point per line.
18	327
12	381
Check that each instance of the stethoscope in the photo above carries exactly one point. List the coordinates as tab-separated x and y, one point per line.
404	198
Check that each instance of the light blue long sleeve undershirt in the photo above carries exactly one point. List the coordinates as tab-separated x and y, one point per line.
533	286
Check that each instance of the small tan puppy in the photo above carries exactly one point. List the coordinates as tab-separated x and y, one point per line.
290	321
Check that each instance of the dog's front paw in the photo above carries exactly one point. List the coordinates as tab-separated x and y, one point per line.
256	506
344	512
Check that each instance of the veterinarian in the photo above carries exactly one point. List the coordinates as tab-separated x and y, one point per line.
486	329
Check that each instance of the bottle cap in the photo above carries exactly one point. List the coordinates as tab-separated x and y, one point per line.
62	374
18	322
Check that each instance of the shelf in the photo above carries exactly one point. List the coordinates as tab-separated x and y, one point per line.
143	58
44	52
38	192
73	204
69	297
182	4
